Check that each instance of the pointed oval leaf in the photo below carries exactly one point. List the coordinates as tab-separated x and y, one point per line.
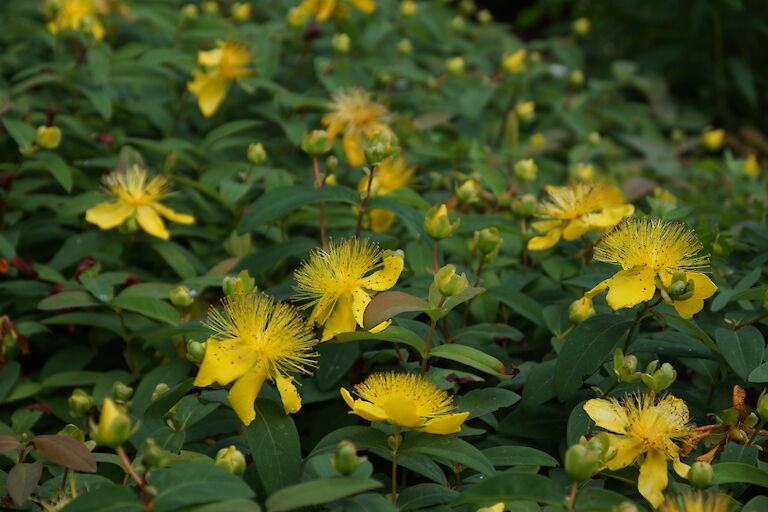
65	451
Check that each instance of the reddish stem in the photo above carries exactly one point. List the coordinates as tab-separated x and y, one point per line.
320	184
364	203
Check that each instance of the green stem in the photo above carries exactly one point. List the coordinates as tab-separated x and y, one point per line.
428	342
435	259
320	185
364	203
394	467
755	432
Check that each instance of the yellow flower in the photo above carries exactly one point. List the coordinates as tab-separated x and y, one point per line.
76	15
695	503
241	11
338	283
644	425
713	139
256	339
223	65
354	114
324	10
752	166
48	137
514	63
576	209
651	252
134	193
391	175
406	400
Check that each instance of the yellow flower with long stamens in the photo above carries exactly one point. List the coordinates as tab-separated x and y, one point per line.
406	400
653	252
391	175
573	210
354	114
76	15
338	283
695	503
136	195
644	427
256	339
324	10
223	65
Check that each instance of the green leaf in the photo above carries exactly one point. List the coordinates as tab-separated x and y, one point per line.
449	448
486	400
334	362
65	451
513	485
735	472
454	300
75	378
364	438
520	303
744	80
387	305
585	349
756	504
108	320
425	495
57	167
194	483
473	357
236	505
22	132
540	385
22	481
742	349
151	308
519	456
100	100
317	492
393	334
66	300
280	200
107	498
167	400
274	444
178	258
225	130
9	374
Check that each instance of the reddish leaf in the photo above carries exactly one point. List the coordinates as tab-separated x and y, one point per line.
22	480
8	443
65	451
389	304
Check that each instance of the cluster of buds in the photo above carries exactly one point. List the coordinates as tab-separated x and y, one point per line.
241	283
679	289
488	242
734	419
449	283
585	459
379	147
656	378
438	225
316	143
345	460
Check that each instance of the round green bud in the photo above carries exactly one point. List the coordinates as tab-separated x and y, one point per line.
581	27
72	431
701	475
594	138
526	170
114	426
159	390
48	137
154	455
316	143
256	153
230	459
121	391
484	16
762	406
581	309
409	8
345	460
581	462
468	192
195	352
80	402
457	23
211	7
190	12
331	163
405	47
576	78
449	283
456	65
181	297
438	225
526	110
525	205
341	42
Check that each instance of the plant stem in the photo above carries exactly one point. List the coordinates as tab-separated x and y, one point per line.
394	467
62	488
364	203
435	259
750	322
320	185
572	496
479	271
428	342
140	481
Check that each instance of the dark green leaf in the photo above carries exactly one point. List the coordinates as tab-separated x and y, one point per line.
66	300
513	485
519	456
425	495
451	449
65	451
473	357
742	349
192	484
487	400
107	498
735	472
151	308
317	492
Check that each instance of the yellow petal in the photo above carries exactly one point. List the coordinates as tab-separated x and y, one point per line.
688	308
367	6
334	127
360	301
543	226
352	149
151	222
653	477
210	58
327	8
244	393
341	320
381	220
672	407
607	414
703	287
542	243
380	327
181	218
625	451
109	215
681	468
575	228
630	287
600	288
347	396
288	394
210	89
609	216
224	361
386	277
368	411
447	424
402	411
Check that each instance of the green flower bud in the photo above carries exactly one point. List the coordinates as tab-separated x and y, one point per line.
195	352
468	192
394	441
751	419
211	7
582	171
380	147
256	153
576	77
48	137
625	367
594	138
526	170
114	426
438	225
121	391
488	241
449	283
762	406
130	226
341	42
181	297
660	379
535	57
331	163
456	66
457	23
230	459
581	27
345	460
409	8
484	16
582	462
526	110
242	283
625	506
701	475
190	12
525	205
405	47
316	143
581	309
730	417
467	6
241	11
161	388
154	456
80	402
72	431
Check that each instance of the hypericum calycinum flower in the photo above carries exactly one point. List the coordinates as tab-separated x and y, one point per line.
392	174
644	425
75	15
514	63
354	114
324	10
137	195
654	253
406	400
256	339
695	503
223	65
338	283
576	209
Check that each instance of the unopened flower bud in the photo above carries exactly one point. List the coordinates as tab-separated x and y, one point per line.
380	147
161	388
190	12
449	283
316	143
751	419
467	6
659	380
581	462
195	352
488	240
242	283
405	47
341	42
538	139
72	431
751	166
625	506
211	7
394	441
701	475
581	309
582	171
296	17
625	367
181	297
525	205
80	402
730	417
581	26
535	57
526	170
331	164
576	77
514	63
484	16
468	192
594	138
526	110
121	391
409	8
114	427
762	406
230	459
154	455
256	153
241	11
456	65
438	225
48	137
713	139
345	460
457	23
